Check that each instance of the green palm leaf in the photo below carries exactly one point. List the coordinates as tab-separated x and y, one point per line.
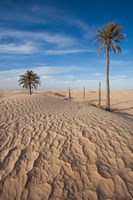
29	80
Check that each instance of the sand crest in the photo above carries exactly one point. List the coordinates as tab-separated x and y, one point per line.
54	148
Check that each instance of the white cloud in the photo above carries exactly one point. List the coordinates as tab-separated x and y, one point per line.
122	83
89	30
43	71
119	62
117	77
61	16
67	51
13	57
60	40
97	74
52	78
48	76
30	42
17	49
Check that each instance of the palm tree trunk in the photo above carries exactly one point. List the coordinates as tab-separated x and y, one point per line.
99	88
84	92
107	80
69	93
30	89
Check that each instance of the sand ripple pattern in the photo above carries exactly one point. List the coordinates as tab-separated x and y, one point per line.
52	148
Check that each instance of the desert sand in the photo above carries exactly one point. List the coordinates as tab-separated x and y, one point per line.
55	148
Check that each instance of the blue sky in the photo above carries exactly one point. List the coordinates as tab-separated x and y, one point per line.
54	39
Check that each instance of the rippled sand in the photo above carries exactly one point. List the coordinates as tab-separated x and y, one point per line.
54	148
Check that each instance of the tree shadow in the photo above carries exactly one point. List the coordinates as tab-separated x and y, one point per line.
116	109
123	114
120	103
96	100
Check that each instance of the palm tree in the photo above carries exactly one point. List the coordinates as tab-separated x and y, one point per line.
29	80
108	37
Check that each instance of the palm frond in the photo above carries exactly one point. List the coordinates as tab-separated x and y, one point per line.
29	79
116	48
109	36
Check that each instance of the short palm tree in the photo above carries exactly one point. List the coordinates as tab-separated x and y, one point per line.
29	80
108	37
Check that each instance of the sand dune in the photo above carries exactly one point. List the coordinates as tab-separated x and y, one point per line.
54	148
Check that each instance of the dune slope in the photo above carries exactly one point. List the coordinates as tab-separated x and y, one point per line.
52	148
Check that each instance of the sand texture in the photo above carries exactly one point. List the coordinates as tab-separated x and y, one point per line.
54	148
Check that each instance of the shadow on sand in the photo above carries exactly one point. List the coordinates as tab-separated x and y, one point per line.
115	111
123	114
121	102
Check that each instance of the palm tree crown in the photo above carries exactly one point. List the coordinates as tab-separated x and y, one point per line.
109	36
29	80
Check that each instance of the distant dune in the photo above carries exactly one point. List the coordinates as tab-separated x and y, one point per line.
55	148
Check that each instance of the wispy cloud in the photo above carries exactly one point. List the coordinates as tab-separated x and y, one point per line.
59	40
41	42
9	78
41	71
14	57
62	16
122	83
119	62
45	70
26	48
88	30
50	80
97	74
23	12
67	51
117	77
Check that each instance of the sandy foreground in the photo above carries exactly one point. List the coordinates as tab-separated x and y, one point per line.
55	148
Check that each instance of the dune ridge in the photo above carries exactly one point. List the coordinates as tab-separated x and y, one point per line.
54	148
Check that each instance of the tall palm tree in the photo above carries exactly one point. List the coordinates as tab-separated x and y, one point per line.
108	37
29	80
